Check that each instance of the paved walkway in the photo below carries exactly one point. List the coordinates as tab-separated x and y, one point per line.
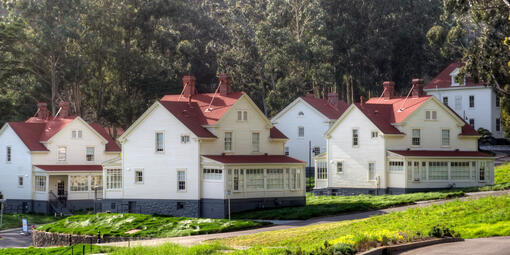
493	246
12	238
197	239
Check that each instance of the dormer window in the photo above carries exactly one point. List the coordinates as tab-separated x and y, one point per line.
301	114
453	76
76	134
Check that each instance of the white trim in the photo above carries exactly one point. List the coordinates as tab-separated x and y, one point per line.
185	180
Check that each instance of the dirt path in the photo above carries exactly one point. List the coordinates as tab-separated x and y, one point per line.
197	239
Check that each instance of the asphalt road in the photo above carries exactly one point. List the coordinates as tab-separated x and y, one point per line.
12	238
492	246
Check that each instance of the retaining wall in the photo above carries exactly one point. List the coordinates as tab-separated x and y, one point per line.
46	239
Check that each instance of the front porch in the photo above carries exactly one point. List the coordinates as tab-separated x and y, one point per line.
67	188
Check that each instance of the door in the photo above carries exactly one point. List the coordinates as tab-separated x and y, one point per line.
61	190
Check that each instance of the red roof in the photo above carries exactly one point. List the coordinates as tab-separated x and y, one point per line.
276	133
423	153
324	107
251	159
383	112
34	131
444	80
70	167
196	113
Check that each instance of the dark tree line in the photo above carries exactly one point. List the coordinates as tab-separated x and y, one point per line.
113	58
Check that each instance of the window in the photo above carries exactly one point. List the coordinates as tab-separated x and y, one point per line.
445	100
184	138
409	171
355	137
498	101
301	131
416	137
160	147
339	167
242	115
458	102
254	179
76	134
438	170
472	122
181	180
212	174
316	150
79	183
287	152
228	141
180	205
396	166
430	115
114	178
471	101
8	154
445	137
96	181
423	170
139	176
375	134
294	176
301	114
237	179
255	142
498	124
274	178
481	173
371	171
460	170
322	169
416	171
90	154
62	153
40	183
20	181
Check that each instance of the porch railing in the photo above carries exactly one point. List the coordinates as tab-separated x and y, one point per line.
57	204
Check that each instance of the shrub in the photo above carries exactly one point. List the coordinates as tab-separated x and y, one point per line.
442	231
343	249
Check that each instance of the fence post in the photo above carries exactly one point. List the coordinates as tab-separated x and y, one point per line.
98	236
83	252
70	240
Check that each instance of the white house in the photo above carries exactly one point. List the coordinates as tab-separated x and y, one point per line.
305	121
52	164
199	155
400	144
477	103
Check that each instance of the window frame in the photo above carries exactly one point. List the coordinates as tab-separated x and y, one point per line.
342	167
93	153
430	115
178	187
185	139
445	102
355	137
299	132
471	101
231	140
442	137
110	180
8	154
374	134
255	143
79	188
59	153
374	171
413	137
37	182
156	142
22	183
136	176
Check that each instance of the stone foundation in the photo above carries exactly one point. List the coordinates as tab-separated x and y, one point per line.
170	207
47	239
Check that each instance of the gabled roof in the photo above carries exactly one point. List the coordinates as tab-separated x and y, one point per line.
444	80
400	108
381	115
324	107
70	167
253	159
35	131
425	153
199	111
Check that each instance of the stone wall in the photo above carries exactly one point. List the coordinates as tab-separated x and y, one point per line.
177	208
47	239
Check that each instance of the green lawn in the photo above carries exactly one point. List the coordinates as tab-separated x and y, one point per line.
116	224
14	220
502	174
77	250
331	205
470	219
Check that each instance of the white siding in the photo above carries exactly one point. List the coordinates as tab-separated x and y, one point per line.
355	158
20	165
160	169
314	124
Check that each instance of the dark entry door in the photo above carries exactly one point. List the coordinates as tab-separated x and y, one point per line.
61	189
131	206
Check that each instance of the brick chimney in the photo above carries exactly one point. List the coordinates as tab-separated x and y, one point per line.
418	88
64	109
188	86
224	87
333	98
389	89
42	111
